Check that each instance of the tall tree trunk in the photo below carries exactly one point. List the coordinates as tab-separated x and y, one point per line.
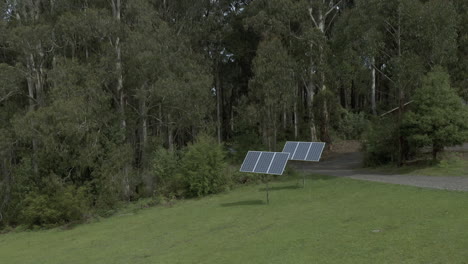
219	103
310	98
232	120
285	117
170	139
295	119
143	127
31	108
374	106
401	96
116	11
313	131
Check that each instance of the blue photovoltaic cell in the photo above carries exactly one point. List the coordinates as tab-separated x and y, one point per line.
264	162
315	151
279	163
250	161
307	151
301	151
290	147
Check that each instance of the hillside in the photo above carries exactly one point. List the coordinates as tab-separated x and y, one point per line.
331	220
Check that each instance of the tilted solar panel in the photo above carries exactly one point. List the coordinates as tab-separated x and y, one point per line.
265	162
279	163
315	151
290	147
306	151
250	161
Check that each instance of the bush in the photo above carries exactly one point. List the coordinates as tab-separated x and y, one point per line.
203	167
167	181
54	205
353	126
381	144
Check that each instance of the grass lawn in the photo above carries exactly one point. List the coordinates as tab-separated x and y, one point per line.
331	220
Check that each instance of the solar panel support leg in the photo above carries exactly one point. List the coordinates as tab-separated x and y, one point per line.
267	192
303	180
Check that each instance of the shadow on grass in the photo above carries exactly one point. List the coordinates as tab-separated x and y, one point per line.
242	203
279	188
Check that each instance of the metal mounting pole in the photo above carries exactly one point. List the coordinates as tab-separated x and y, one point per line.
267	189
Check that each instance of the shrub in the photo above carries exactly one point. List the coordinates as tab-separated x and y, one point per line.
54	205
167	181
381	144
203	167
353	125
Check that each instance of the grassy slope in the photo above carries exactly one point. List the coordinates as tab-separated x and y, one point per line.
330	221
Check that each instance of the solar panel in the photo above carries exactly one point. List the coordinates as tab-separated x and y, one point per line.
306	151
265	162
290	147
279	163
250	161
301	151
315	151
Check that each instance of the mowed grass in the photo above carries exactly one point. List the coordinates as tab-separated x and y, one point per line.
331	220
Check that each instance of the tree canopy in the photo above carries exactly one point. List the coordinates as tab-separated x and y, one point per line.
92	93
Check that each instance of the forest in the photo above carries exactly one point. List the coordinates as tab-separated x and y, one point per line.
104	102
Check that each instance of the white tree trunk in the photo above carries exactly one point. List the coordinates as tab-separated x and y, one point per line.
295	120
374	105
219	102
116	12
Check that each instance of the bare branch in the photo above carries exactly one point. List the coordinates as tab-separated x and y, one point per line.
394	109
312	17
329	23
377	69
333	8
7	96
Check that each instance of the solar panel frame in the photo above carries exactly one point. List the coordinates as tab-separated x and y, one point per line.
279	163
316	153
301	151
313	153
290	147
265	162
250	159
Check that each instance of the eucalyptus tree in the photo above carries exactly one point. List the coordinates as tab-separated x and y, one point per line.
359	31
322	15
271	85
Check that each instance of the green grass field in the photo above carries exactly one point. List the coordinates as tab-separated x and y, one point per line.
331	220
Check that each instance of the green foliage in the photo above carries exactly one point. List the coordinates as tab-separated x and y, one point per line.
167	180
203	167
54	204
87	88
381	142
298	226
326	101
353	125
437	118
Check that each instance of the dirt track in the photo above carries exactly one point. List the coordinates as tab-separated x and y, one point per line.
350	164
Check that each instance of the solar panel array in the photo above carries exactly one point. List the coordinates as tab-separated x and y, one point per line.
306	151
265	162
